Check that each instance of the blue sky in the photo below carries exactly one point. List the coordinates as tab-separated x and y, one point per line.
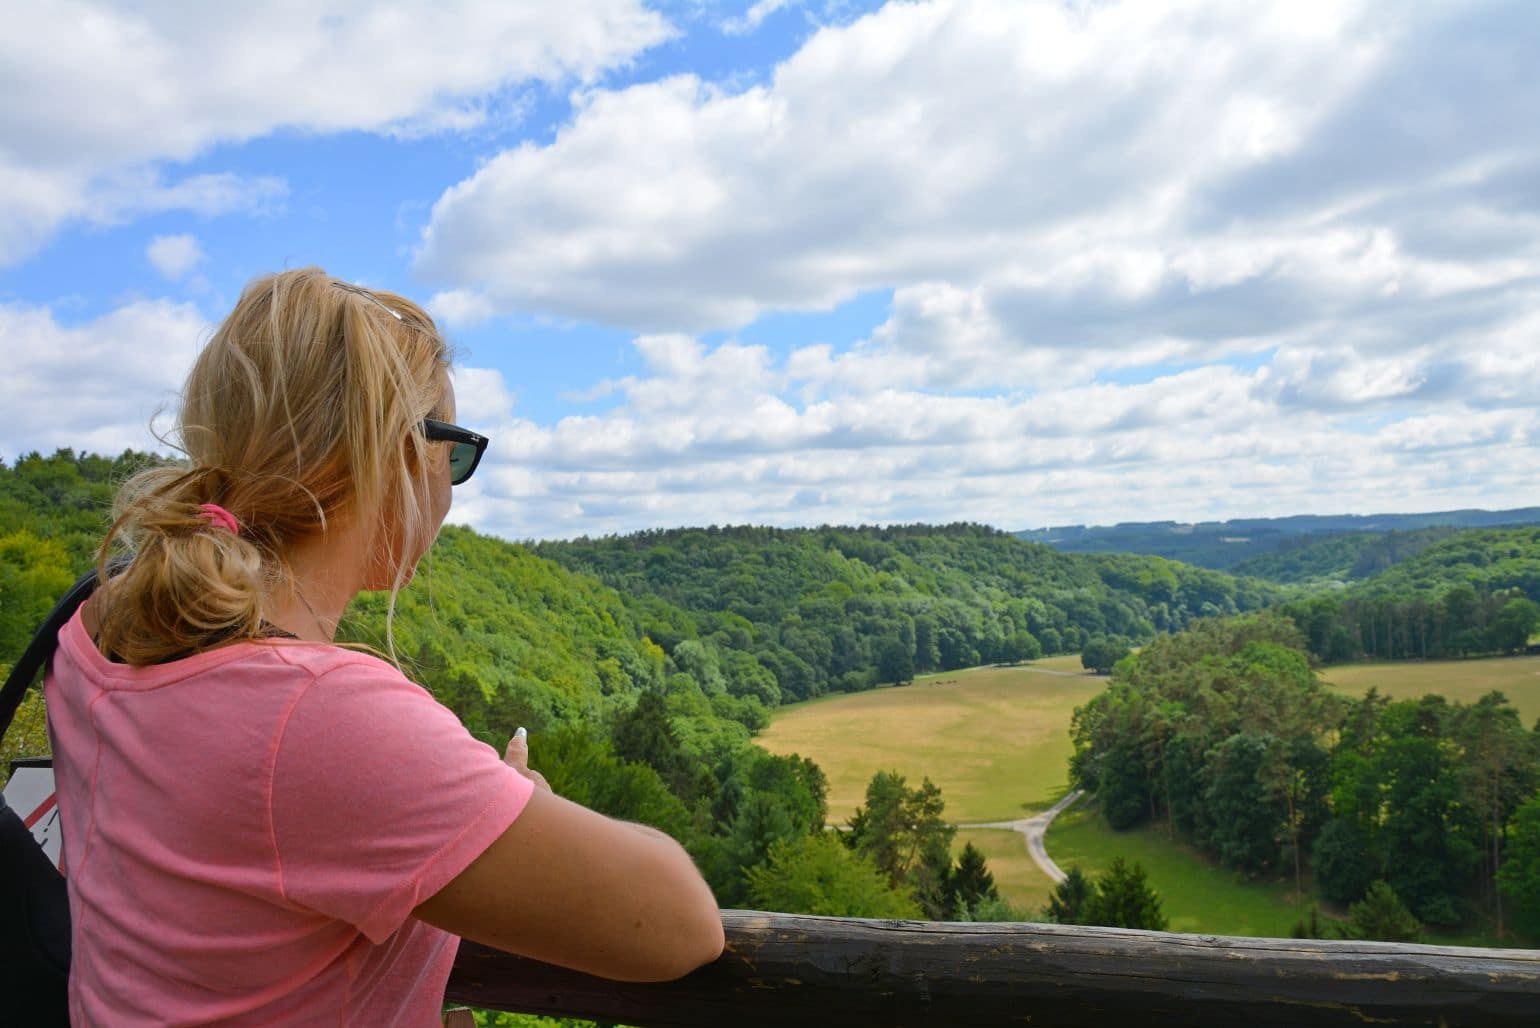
1022	262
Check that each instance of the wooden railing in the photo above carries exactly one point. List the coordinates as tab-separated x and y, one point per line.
788	969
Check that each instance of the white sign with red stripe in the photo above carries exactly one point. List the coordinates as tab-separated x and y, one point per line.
30	793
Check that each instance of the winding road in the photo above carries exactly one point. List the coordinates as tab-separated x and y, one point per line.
1034	828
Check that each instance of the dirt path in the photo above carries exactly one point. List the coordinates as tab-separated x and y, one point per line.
1034	828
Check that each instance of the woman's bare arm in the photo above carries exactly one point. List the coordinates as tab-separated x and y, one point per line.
572	887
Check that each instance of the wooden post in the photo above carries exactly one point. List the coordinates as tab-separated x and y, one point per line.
782	969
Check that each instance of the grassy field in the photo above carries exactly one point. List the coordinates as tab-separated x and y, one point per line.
1196	895
995	740
1464	681
1017	878
1067	663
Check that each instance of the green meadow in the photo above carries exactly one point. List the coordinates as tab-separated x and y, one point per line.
1465	681
996	741
1196	894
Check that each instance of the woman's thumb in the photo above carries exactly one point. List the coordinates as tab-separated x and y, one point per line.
517	753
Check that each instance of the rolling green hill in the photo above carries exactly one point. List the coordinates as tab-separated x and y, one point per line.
822	607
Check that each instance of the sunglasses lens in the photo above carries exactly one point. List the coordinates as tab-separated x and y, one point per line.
462	458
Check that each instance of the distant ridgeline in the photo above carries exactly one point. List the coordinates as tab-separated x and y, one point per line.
1306	547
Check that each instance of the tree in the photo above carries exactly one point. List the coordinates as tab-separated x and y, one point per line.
1510	630
901	830
971	880
580	766
1498	772
645	736
1247	820
1519	878
1309	927
1125	899
1381	915
1343	861
1101	655
1427	824
815	874
1070	899
989	908
761	820
1022	645
895	664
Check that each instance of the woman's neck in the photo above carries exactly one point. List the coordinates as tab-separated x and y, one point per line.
328	571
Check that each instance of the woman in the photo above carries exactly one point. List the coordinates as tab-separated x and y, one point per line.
262	827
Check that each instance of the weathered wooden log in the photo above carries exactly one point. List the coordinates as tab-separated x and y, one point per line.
781	969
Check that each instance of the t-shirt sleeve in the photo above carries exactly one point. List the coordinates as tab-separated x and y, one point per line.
380	797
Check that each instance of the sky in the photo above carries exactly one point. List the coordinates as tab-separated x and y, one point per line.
1028	263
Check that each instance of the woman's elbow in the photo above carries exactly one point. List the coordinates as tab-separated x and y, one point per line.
694	946
693	941
714	939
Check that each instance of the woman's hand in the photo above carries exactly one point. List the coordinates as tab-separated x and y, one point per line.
516	756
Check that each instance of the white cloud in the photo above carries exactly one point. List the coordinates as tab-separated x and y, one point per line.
754	16
481	396
716	434
174	256
925	142
95	386
459	308
93	96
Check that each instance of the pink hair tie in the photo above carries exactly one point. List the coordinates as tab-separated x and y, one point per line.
218	515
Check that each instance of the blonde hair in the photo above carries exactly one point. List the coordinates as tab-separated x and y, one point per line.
304	407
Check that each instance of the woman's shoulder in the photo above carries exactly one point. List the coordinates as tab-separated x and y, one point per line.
335	663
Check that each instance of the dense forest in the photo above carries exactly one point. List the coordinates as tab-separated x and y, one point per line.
841	609
1225	735
1469	593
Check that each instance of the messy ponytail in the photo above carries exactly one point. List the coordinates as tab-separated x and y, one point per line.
303	409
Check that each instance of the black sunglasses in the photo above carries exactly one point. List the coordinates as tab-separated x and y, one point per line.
467	450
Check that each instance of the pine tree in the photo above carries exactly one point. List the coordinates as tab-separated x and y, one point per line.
1381	915
644	735
971	880
1070	898
1308	928
1125	899
902	831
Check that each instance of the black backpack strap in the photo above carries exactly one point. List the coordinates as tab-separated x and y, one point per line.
46	640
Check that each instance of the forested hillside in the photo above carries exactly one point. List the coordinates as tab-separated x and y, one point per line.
1324	562
1469	593
843	608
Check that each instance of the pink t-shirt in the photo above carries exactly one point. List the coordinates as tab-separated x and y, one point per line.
247	831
